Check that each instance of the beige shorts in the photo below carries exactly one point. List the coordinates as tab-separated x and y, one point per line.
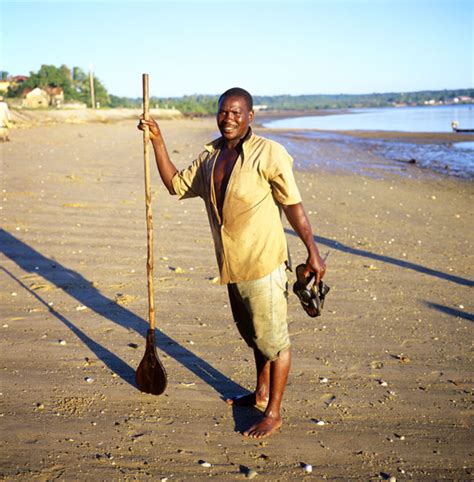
259	308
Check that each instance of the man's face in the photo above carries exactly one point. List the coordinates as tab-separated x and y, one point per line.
233	118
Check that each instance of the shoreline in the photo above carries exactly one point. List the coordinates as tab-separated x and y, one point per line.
31	119
390	358
347	153
422	137
28	118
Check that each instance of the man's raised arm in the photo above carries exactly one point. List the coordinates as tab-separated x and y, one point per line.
165	167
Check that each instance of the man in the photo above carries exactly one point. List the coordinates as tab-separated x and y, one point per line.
244	180
4	120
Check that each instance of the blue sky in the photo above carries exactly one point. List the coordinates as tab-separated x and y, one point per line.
268	47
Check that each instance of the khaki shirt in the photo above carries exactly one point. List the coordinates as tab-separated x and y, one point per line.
249	239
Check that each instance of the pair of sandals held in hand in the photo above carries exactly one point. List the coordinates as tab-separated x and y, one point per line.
310	294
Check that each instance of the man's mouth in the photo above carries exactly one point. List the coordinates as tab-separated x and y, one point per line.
229	128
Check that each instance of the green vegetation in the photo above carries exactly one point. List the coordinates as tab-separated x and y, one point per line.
76	87
193	104
126	102
346	101
207	104
189	104
75	84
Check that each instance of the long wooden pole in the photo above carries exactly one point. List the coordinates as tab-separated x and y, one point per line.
149	219
91	85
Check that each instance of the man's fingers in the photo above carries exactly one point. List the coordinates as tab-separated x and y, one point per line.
320	272
144	123
309	270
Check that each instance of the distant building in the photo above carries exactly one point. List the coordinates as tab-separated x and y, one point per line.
35	98
18	79
260	107
11	82
38	98
56	96
4	84
464	99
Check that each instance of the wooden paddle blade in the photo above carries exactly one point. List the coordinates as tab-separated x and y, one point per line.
151	375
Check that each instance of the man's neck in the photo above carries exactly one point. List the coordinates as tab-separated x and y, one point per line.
236	144
233	145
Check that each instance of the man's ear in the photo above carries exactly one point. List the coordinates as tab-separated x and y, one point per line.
251	115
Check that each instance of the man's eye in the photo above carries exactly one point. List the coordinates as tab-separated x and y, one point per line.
233	112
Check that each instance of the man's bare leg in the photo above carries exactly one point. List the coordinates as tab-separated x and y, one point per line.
272	420
260	397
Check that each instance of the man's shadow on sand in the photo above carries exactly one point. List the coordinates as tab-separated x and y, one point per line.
330	243
451	311
78	287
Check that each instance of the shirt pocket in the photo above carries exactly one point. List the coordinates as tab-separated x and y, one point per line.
249	188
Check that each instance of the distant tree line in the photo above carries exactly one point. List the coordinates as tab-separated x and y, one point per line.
76	87
74	82
188	104
207	104
338	101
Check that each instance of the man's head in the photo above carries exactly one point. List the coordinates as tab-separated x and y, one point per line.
235	114
238	92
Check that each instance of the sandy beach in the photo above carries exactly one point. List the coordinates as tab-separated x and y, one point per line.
381	385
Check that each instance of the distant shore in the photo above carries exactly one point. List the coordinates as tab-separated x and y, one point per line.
28	118
263	116
24	118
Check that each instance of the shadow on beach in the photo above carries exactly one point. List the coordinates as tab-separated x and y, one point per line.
78	287
330	243
450	311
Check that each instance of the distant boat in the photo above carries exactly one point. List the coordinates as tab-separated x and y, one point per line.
455	128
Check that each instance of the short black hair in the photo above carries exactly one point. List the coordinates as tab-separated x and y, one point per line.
238	92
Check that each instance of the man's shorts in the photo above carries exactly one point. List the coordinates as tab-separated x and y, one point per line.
259	308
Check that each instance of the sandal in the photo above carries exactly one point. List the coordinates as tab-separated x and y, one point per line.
312	299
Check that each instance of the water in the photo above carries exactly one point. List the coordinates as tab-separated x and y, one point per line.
456	159
404	119
464	145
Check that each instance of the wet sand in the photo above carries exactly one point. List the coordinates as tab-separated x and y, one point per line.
387	368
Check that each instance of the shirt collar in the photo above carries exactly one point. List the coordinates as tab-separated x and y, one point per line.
216	144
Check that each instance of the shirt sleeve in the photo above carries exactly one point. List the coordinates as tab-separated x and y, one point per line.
282	179
188	182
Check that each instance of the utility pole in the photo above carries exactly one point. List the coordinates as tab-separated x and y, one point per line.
91	83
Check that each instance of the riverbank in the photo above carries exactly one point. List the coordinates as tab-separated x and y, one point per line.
26	118
381	384
420	136
376	152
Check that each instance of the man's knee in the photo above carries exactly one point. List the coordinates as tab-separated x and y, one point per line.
272	352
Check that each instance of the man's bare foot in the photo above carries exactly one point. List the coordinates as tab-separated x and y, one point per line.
264	428
249	400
